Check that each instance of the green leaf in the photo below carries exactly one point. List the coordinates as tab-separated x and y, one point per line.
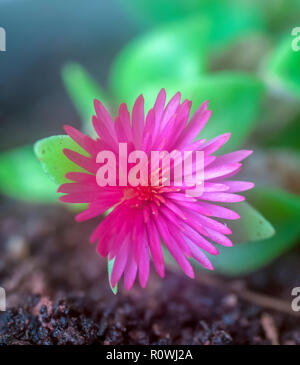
83	90
234	98
49	152
252	225
283	69
22	177
174	51
282	209
110	265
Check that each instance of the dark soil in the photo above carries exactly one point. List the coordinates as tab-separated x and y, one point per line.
57	293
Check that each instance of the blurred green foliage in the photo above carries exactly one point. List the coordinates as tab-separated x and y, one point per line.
284	68
228	18
83	90
15	167
174	52
288	137
180	51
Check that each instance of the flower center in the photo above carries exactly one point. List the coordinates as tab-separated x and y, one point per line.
145	194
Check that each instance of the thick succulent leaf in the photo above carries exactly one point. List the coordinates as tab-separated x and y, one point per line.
174	51
110	265
252	225
49	152
83	90
234	98
22	177
282	209
283	69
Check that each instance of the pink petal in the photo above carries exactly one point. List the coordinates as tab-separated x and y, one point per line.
199	240
78	188
233	157
215	143
158	111
219	238
105	133
238	186
130	272
213	187
175	209
219	212
222	197
81	177
173	248
95	209
79	198
170	109
155	248
119	264
104	117
144	260
213	224
85	162
214	172
138	121
159	105
200	256
122	125
194	127
86	142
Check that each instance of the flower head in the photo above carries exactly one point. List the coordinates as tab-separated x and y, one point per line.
146	216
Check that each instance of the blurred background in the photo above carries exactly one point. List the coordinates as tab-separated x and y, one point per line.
41	37
242	55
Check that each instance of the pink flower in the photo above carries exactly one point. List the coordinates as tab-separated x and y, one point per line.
145	216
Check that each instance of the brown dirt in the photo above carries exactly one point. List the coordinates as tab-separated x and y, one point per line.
57	293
